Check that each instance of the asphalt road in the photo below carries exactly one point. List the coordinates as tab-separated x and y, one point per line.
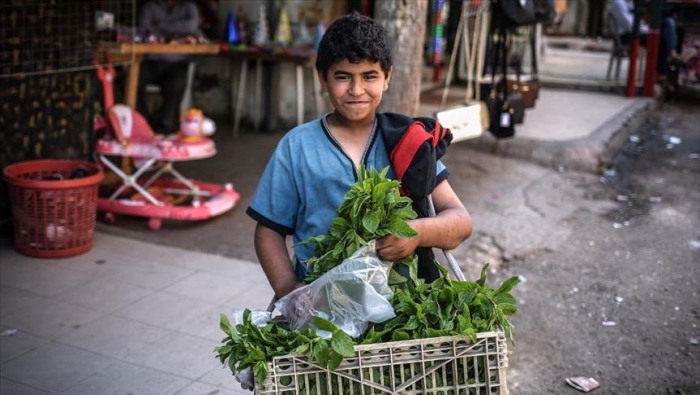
634	266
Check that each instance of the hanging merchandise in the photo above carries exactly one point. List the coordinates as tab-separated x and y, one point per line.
261	36
242	25
469	119
440	16
283	36
320	30
302	38
232	36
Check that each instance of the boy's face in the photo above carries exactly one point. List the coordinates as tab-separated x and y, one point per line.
355	89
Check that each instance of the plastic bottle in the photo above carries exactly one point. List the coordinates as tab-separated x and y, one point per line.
242	24
232	36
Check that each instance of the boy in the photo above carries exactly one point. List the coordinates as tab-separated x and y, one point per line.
315	163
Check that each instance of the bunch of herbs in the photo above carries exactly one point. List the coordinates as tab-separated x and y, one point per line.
372	208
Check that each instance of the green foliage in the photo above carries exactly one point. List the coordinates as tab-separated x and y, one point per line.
372	208
249	346
446	307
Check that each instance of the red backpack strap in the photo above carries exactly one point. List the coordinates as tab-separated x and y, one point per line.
405	150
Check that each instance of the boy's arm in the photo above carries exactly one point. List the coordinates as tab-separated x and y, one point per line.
447	230
271	249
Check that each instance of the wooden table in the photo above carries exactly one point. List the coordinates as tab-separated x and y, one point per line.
135	53
300	58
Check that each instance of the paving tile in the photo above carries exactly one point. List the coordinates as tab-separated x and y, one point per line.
114	336
51	318
14	299
8	253
130	248
165	310
40	279
123	378
197	388
104	294
12	388
178	354
257	296
206	325
208	287
236	269
55	367
221	376
18	344
91	262
144	272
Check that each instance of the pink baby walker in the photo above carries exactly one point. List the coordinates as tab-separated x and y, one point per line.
156	197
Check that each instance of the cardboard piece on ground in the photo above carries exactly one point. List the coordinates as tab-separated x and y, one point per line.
584	384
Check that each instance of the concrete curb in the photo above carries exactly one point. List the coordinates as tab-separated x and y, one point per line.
591	154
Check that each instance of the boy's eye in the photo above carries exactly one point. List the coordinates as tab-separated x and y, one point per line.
370	77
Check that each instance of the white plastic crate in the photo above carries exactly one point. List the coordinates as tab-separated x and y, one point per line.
443	365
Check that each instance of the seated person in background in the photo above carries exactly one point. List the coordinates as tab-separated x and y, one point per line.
166	19
622	12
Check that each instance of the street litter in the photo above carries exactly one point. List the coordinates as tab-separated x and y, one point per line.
694	156
617	225
674	140
635	139
618	299
584	384
694	341
8	332
622	198
609	323
694	244
655	199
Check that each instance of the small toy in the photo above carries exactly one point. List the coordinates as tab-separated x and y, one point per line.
194	125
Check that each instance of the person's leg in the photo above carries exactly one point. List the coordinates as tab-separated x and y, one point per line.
148	74
172	87
668	43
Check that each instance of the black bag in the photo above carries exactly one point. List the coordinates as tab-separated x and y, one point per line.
516	105
513	13
502	109
545	11
501	119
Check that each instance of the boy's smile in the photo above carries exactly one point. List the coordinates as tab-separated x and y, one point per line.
355	89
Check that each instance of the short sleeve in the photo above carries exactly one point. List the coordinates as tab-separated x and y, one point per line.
276	200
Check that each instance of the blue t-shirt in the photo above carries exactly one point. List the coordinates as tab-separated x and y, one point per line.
306	180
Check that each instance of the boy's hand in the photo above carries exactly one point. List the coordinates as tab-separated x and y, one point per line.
392	248
298	305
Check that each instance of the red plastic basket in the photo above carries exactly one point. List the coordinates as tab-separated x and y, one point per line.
53	205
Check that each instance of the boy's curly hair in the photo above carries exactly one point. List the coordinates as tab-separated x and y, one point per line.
356	38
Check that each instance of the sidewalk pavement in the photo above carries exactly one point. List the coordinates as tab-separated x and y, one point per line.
127	317
131	317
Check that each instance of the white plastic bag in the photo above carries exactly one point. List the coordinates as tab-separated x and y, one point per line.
350	295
